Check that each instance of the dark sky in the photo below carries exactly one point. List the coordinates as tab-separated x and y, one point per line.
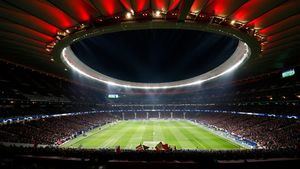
155	55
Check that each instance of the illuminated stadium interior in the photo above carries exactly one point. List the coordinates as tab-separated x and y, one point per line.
211	84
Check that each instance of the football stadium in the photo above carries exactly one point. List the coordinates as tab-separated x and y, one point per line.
101	84
128	134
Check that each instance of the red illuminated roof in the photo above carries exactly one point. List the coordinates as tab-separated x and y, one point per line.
27	26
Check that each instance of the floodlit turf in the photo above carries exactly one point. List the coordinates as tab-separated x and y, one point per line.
128	134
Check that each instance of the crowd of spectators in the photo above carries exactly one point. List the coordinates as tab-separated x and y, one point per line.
50	131
30	92
268	132
266	93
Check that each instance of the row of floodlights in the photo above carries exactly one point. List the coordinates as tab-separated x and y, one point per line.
155	14
237	24
130	15
61	34
234	23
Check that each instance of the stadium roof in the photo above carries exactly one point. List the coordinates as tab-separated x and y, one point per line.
30	29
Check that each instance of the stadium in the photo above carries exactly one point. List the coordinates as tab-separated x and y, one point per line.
102	84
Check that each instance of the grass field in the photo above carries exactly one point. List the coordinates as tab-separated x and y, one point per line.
128	134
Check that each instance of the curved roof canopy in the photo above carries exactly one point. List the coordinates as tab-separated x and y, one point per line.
32	31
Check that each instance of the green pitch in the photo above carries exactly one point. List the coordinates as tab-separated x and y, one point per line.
128	134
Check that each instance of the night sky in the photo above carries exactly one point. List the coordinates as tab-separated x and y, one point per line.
155	55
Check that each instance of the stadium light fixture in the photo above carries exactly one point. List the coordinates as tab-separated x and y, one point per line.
62	33
128	15
232	22
157	14
58	37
